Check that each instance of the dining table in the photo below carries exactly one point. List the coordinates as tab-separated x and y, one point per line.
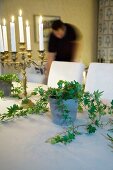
24	146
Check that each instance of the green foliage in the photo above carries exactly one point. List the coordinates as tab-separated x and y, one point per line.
91	129
65	90
1	93
110	108
95	107
68	136
41	104
91	102
40	107
11	112
9	77
16	91
16	111
25	100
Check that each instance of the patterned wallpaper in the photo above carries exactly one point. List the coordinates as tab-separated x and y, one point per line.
105	31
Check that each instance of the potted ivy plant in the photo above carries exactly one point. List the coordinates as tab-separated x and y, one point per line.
63	101
6	83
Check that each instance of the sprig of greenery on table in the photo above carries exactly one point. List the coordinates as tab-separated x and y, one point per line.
14	111
96	109
64	138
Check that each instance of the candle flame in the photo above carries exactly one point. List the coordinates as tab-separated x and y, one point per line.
12	18
27	23
20	12
4	21
40	19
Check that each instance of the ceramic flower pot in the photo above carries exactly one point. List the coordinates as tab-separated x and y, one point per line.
5	87
57	115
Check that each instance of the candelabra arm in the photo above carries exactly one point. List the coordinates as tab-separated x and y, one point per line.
11	59
24	82
24	77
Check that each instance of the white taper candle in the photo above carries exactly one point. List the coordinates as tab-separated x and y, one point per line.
4	29
1	40
21	29
28	39
41	39
13	38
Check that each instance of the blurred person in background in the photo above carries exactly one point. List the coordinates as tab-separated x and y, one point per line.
63	44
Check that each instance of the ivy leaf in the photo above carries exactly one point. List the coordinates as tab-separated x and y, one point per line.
12	110
80	108
112	104
60	83
91	129
97	94
97	123
92	109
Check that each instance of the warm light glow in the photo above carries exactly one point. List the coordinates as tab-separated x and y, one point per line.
20	12
4	21
12	19
40	19
27	23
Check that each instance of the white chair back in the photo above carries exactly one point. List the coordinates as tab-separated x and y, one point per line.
68	71
100	77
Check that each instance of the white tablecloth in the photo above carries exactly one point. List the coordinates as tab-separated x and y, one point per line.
23	146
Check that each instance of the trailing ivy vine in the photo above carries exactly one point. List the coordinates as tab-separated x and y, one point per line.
66	90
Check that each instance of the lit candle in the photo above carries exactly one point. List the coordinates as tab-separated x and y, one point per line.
4	29
28	40
13	39
1	40
21	30
41	41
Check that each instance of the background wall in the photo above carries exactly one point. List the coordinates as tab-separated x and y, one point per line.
105	31
82	13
